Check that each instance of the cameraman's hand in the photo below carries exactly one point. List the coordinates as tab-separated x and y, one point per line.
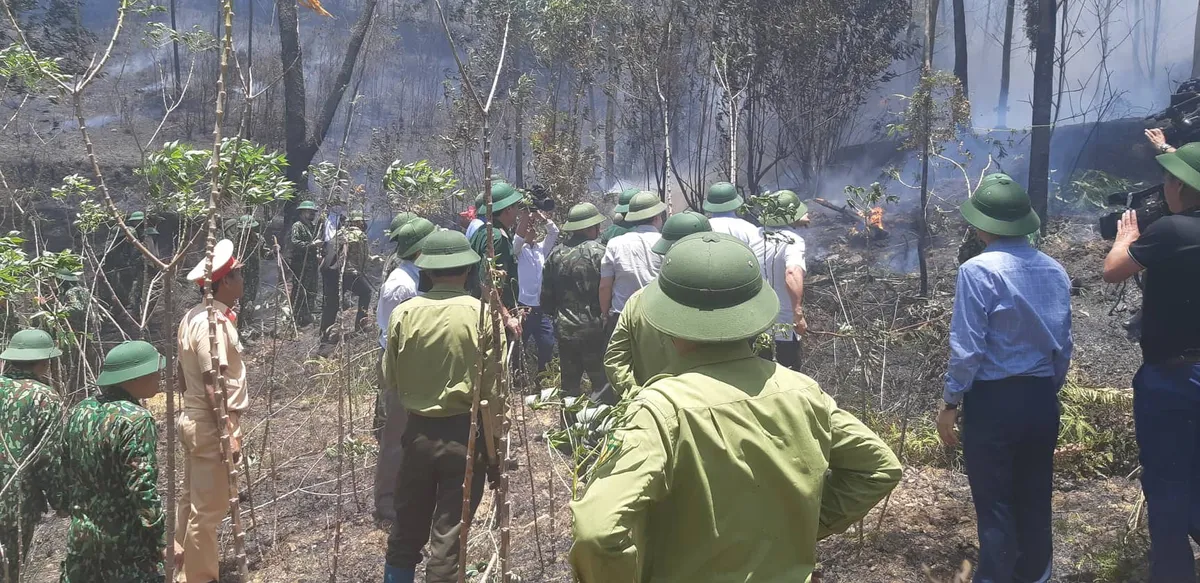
1127	229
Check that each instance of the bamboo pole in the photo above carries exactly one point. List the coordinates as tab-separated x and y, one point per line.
219	409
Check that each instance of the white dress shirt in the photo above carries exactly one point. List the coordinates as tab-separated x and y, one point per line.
730	224
531	258
473	226
778	249
631	264
401	285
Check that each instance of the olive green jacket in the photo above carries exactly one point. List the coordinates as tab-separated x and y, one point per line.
432	353
735	466
636	351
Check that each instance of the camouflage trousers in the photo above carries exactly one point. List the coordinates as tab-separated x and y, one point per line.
250	274
304	290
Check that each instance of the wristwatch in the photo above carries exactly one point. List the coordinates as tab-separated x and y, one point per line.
950	406
1164	147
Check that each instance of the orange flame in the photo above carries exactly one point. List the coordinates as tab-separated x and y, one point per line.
875	217
315	6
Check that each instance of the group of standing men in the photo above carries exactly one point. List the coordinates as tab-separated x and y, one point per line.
669	304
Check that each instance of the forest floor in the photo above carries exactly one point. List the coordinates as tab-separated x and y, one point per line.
291	512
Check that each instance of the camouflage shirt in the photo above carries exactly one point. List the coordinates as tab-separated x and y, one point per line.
571	288
351	249
109	462
302	238
30	427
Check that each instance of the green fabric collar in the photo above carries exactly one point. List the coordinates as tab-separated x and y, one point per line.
442	291
715	353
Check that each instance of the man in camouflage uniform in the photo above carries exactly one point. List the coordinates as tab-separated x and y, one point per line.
30	426
571	298
248	245
110	465
345	270
305	242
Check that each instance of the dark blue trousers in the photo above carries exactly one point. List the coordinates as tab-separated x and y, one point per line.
1009	431
538	327
1166	414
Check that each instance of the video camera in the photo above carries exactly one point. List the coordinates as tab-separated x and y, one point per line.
1180	121
1149	205
540	198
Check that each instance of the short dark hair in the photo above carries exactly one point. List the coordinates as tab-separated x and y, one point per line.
216	285
649	221
451	272
26	365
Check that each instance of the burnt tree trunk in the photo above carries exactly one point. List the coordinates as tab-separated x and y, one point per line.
302	142
1196	49
960	43
1043	92
1005	65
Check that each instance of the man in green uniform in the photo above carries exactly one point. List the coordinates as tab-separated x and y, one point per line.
249	247
618	226
571	297
673	502
30	427
305	243
433	347
110	465
636	350
345	270
508	210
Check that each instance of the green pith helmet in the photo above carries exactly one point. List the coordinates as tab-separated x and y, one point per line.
624	200
246	222
446	249
1184	164
307	205
1001	207
410	236
129	360
356	217
710	289
679	226
150	230
30	346
66	275
504	195
722	197
582	216
786	208
136	217
399	221
644	205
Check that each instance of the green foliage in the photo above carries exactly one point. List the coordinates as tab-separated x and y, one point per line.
935	112
1096	438
22	277
562	161
863	199
78	188
419	186
180	179
1092	187
19	65
196	40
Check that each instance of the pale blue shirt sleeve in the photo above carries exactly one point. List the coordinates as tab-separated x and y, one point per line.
968	332
1062	358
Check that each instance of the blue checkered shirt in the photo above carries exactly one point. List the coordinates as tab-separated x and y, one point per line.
1012	317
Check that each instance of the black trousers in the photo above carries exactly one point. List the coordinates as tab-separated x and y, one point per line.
429	494
579	356
1009	431
786	353
332	303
